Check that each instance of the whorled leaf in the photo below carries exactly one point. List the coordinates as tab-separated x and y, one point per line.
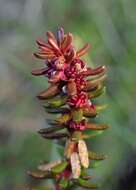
67	43
94	126
96	93
38	72
43	55
50	129
71	55
49	166
86	184
84	174
91	84
64	118
50	92
60	35
40	174
94	164
98	80
63	183
83	50
76	136
100	108
77	114
90	134
96	71
54	135
52	41
96	156
89	112
57	110
42	188
52	122
60	167
58	102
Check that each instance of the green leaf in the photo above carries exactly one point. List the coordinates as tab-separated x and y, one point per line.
54	135
58	102
89	112
52	90
84	172
60	167
86	184
94	126
98	80
63	119
77	135
93	133
40	174
94	94
77	115
43	188
96	156
94	164
60	150
100	108
48	166
50	129
57	110
63	183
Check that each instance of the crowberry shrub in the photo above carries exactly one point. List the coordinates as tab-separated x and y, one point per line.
72	87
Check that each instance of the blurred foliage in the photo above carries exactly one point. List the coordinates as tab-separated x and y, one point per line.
110	27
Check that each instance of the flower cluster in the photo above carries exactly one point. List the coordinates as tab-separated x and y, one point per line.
73	86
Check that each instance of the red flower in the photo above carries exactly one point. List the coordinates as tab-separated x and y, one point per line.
75	68
78	126
79	100
80	82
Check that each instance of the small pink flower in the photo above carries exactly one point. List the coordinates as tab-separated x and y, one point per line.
79	100
78	126
80	82
77	66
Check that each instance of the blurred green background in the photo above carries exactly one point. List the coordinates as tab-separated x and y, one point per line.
110	27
